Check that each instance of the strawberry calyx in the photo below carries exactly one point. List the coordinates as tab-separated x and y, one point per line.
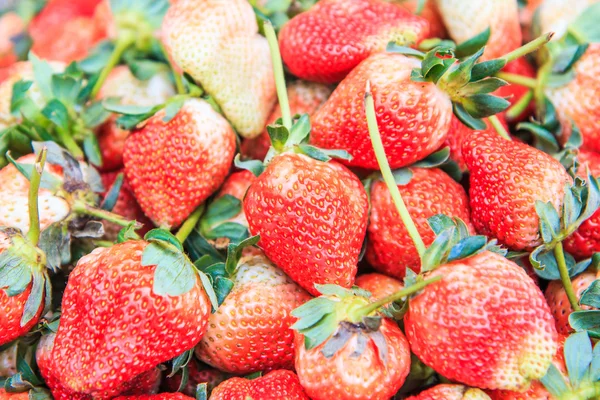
215	224
587	320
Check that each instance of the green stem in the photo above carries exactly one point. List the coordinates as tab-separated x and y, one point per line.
520	106
369	308
123	43
528	48
83	209
34	186
286	114
516	79
386	172
70	143
543	75
189	224
564	277
499	127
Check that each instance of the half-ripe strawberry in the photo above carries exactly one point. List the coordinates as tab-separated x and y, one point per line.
378	285
507	178
453	324
275	385
174	166
218	44
327	42
465	19
429	192
451	392
250	331
430	12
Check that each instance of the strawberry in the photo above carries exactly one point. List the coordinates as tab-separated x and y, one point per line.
431	13
11	25
174	166
378	285
556	15
585	241
162	396
304	98
13	396
198	373
8	361
465	20
575	101
451	392
507	178
471	353
327	42
456	136
146	290
275	385
514	92
219	46
430	191
237	185
559	303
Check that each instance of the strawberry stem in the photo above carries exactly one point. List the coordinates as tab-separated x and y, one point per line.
516	79
123	43
188	226
564	276
499	127
386	172
34	186
69	143
83	209
286	114
520	106
528	48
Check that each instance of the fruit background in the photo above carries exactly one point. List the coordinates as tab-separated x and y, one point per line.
299	199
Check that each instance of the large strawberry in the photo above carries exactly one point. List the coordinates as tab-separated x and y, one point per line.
174	166
471	352
429	191
451	392
327	42
507	178
126	309
273	386
218	44
250	331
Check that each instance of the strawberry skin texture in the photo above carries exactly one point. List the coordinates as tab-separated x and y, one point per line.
451	392
161	396
173	167
507	177
452	325
465	19
13	396
275	385
413	117
576	102
559	302
114	327
347	376
311	217
379	285
390	249
327	42
250	331
218	44
585	241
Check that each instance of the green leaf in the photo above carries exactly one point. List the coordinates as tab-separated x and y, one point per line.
594	371
434	160
35	298
393	47
127	233
145	69
42	72
180	362
467	247
112	104
223	287
402	176
438	250
440	222
473	45
279	135
565	60
554	382
162	235
221	209
97	58
487	85
254	166
549	220
94	115
467	119
56	112
591	295
111	197
234	231
323	154
173	106
197	246
546	266
15	272
585	28
460	73
174	274
572	207
208	288
543	138
578	357
484	105
55	242
234	252
300	130
333	290
318	333
19	96
65	88
91	148
486	68
590	198
588	320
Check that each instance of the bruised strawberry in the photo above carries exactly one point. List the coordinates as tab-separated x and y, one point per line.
218	44
174	166
378	285
451	392
431	13
469	352
273	386
429	192
507	178
327	42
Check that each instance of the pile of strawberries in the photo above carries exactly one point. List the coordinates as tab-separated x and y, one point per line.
300	199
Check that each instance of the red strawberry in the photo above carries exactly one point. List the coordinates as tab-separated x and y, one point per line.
507	178
327	42
559	302
250	331
174	166
162	396
431	13
327	207
514	92
198	373
414	117
11	25
465	20
379	285
13	396
451	392
430	191
453	324
114	323
273	386
586	239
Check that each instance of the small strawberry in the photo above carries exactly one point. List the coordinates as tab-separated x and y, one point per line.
430	12
197	373
429	192
250	331
275	385
465	20
218	44
174	166
378	285
327	42
507	179
451	392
